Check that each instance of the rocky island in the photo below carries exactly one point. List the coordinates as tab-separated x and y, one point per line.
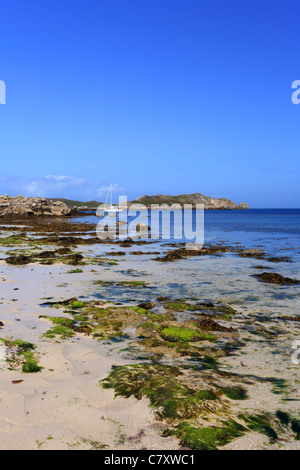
210	203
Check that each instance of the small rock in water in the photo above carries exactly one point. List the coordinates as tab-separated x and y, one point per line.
276	278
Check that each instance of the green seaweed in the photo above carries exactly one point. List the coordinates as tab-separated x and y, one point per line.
177	305
283	417
171	399
295	425
63	321
24	350
132	284
173	333
104	283
63	331
13	240
77	304
23	345
139	310
80	318
235	393
161	317
208	438
31	364
279	386
261	423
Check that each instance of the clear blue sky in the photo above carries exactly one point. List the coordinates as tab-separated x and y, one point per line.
154	96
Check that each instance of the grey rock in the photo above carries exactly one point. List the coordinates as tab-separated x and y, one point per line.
32	206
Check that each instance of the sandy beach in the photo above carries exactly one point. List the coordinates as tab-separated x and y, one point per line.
64	406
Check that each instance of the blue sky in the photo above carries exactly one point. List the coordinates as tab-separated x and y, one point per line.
153	96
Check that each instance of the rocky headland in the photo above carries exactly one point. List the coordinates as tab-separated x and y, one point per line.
32	206
210	203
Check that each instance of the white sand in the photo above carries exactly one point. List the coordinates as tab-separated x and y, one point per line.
63	406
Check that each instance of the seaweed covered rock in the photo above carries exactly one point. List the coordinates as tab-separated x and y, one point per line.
276	278
210	325
92	318
19	259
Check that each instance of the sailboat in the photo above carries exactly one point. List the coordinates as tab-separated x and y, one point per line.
110	207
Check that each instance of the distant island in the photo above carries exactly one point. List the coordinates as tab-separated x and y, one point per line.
210	203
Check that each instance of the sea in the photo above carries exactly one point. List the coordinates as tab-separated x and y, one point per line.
276	229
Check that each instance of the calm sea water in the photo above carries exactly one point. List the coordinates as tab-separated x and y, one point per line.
283	221
247	226
252	220
276	229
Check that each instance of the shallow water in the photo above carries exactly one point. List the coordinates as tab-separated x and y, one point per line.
277	231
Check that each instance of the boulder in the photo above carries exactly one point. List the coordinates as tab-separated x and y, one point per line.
144	228
32	206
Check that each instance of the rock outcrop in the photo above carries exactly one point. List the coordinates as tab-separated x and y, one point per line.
32	206
210	203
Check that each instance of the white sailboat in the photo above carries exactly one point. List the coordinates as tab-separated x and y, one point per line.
110	207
